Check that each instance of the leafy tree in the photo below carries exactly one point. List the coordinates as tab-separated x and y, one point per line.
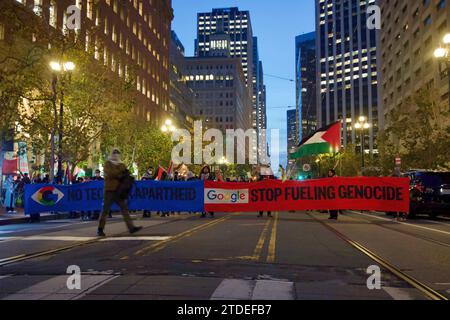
419	132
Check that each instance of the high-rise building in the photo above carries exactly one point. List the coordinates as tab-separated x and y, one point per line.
347	66
125	36
222	99
181	96
305	78
228	32
292	133
411	31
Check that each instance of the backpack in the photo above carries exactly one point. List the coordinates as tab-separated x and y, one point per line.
126	184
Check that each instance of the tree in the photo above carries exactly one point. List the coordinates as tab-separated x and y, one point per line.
419	132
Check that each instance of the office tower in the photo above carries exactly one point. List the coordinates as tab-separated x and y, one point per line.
347	67
292	133
305	78
221	100
228	32
411	31
123	35
181	96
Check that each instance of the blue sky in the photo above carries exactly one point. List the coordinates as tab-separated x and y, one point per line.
276	24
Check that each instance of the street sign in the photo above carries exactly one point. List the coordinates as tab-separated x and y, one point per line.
306	167
398	161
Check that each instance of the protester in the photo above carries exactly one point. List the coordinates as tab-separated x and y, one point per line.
262	178
205	175
118	184
9	201
97	177
333	213
148	175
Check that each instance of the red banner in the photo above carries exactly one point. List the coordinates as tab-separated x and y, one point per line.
10	166
367	194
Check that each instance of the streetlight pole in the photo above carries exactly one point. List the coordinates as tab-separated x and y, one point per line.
443	54
362	125
59	68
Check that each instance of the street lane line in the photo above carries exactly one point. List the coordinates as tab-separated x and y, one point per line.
234	289
273	290
273	241
261	241
398	293
161	245
144	238
399	222
427	291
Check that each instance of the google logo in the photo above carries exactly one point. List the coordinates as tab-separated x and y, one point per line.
224	196
47	196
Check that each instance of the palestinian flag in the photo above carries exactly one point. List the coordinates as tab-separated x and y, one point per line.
325	140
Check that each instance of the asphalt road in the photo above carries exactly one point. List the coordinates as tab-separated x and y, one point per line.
232	256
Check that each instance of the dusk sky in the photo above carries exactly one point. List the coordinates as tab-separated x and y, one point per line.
276	24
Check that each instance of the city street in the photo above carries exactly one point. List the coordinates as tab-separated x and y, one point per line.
236	256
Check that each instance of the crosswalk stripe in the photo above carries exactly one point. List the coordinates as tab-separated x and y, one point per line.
234	289
399	293
237	289
56	288
273	290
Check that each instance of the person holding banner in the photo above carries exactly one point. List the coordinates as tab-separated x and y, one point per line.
116	181
205	175
333	213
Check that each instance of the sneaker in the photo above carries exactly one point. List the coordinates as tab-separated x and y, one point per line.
135	229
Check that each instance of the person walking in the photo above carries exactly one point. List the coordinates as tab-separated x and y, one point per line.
333	213
118	184
261	213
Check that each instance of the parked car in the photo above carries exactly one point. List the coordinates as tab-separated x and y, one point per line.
429	193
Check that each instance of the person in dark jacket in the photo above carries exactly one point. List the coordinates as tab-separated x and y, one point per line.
333	213
115	176
148	176
205	175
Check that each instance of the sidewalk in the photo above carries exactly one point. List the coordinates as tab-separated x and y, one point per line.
20	217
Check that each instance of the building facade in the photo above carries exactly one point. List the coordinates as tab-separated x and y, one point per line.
123	35
347	67
181	96
221	100
228	32
305	84
411	31
292	133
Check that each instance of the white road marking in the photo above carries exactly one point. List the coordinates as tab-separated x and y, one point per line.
56	288
235	289
399	293
149	238
273	290
57	238
6	276
81	239
404	223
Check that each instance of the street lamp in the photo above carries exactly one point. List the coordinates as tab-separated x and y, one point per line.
168	126
58	67
443	54
362	125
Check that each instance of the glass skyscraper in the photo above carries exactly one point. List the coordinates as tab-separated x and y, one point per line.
347	66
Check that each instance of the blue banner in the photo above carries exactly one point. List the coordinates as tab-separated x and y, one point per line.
146	195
